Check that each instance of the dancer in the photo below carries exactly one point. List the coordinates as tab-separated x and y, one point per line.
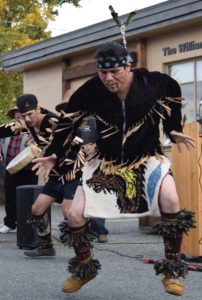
128	106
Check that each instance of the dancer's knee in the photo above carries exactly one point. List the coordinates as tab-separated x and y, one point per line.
75	219
168	200
42	203
37	209
170	204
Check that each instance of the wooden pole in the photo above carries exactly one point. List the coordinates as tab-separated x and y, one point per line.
187	172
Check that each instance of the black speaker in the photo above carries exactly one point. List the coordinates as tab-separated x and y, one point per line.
26	196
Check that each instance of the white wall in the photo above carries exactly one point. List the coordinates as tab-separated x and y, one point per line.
155	57
46	83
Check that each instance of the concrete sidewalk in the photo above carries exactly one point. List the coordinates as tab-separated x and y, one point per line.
123	276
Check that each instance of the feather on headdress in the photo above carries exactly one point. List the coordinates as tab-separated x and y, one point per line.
122	26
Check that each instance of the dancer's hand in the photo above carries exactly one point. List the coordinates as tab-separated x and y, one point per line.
181	138
45	164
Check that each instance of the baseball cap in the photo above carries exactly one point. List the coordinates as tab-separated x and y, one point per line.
26	102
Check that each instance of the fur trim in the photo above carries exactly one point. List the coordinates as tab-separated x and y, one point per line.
84	269
64	231
175	269
73	237
41	224
175	227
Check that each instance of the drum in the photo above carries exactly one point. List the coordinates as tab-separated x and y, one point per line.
23	159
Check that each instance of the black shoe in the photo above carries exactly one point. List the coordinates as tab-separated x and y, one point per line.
40	252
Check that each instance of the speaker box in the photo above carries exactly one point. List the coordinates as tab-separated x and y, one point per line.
26	196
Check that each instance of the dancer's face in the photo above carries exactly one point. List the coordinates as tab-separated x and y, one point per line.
114	79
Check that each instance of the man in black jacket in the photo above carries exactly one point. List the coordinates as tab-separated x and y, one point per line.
41	124
128	106
10	147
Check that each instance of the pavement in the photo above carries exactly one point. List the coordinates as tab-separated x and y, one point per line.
124	276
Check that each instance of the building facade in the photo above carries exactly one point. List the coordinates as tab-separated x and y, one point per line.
166	37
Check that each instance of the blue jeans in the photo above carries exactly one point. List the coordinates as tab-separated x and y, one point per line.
99	226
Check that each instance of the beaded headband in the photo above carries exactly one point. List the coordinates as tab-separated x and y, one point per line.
112	62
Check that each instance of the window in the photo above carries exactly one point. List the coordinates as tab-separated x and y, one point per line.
189	76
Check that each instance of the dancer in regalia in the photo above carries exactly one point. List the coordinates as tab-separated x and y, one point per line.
128	163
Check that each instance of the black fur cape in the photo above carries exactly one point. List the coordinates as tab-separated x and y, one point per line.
152	97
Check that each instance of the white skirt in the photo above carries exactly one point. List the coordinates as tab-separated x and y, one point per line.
103	204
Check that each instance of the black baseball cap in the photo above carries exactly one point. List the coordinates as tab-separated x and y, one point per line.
26	102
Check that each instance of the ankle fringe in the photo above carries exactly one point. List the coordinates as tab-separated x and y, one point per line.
175	268
175	227
64	231
84	270
73	238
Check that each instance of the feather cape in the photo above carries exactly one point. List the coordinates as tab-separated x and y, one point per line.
153	96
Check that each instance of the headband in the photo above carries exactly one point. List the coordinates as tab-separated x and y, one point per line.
112	62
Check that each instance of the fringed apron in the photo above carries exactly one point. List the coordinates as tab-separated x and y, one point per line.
124	192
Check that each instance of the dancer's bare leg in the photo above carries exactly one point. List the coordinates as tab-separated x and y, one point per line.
76	212
41	223
82	267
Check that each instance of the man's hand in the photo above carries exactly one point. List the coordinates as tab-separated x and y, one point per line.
181	138
22	123
44	164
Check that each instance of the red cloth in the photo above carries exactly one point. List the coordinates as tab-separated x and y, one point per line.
13	147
